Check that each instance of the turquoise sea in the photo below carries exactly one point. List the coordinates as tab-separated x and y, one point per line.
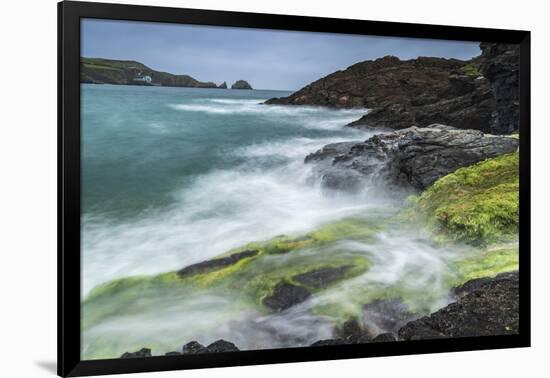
176	176
173	176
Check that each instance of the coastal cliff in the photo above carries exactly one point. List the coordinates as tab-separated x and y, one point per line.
126	72
480	94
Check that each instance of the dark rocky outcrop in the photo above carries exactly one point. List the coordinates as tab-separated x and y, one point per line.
413	157
500	65
127	72
318	278
488	306
143	352
223	85
285	295
403	93
241	84
215	264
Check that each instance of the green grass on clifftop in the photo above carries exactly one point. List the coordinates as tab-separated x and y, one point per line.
477	204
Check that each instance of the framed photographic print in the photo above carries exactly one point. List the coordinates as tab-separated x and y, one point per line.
239	188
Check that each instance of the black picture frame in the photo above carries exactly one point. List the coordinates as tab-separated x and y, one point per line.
69	15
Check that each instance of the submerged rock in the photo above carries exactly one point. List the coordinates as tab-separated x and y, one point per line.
386	316
500	65
241	84
486	306
413	157
286	295
143	352
215	264
321	277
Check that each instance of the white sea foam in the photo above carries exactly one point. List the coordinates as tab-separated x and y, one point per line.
314	117
253	201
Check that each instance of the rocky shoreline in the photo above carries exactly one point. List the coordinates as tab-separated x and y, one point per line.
482	307
479	94
448	137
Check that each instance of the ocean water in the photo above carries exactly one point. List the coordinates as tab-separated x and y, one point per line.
173	176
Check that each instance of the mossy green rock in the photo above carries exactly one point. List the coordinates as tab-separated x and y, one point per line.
477	204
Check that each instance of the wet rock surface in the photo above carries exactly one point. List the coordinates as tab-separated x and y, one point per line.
413	157
386	317
321	277
215	264
488	306
286	295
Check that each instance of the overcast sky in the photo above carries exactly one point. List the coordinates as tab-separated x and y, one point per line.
267	59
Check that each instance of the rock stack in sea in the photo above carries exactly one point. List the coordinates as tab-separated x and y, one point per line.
241	84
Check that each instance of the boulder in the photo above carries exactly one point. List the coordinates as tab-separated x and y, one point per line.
500	65
487	306
223	85
241	84
285	295
193	347
221	346
409	158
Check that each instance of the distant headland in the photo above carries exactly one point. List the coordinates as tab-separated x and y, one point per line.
129	72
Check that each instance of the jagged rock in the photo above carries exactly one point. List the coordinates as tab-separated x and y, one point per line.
321	277
221	346
241	84
413	157
488	306
286	295
223	85
193	347
215	264
144	352
500	65
384	338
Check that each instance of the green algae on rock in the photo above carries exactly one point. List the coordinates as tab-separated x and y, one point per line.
477	204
